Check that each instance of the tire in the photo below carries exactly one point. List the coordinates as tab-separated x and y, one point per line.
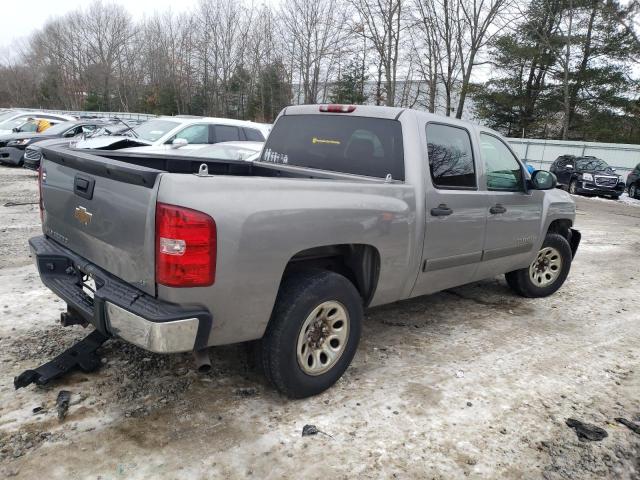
573	187
532	283
614	197
310	299
633	191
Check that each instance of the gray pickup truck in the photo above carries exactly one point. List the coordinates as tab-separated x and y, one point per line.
348	207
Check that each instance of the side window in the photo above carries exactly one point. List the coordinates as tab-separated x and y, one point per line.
194	134
88	128
503	171
226	133
450	157
72	132
253	135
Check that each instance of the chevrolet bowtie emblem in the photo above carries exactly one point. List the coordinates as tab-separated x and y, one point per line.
82	215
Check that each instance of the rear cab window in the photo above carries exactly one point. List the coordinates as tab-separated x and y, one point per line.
450	157
346	144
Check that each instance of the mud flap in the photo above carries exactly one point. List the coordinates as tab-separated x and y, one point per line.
82	355
574	240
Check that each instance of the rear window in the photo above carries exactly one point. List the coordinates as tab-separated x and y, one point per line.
345	144
253	135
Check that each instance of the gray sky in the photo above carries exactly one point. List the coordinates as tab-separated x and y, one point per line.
20	18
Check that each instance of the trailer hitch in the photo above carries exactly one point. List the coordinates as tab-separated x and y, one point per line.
82	355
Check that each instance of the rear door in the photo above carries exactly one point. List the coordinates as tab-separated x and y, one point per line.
456	210
102	210
514	215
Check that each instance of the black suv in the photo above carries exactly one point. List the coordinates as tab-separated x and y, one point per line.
633	182
587	176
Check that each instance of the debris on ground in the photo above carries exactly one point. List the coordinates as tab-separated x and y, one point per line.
459	374
586	431
62	403
246	392
634	427
309	430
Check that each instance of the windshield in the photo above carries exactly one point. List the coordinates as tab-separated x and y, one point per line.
60	128
591	164
14	122
347	144
4	116
153	130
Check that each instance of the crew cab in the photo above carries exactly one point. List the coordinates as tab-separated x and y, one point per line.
587	176
347	207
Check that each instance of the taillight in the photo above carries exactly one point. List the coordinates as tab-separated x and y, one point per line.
185	247
41	176
335	108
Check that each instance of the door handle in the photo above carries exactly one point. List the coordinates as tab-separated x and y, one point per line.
497	208
441	210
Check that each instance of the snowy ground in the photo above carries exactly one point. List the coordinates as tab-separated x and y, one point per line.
469	383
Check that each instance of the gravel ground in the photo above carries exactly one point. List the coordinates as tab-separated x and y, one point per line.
473	382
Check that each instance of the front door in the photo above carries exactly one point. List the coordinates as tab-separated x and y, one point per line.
514	215
456	211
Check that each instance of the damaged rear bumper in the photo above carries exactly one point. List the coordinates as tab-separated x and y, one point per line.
117	308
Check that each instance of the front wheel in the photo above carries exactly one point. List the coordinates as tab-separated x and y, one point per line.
573	187
313	333
633	191
548	271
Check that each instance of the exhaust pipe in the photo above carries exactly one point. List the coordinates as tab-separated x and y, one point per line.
202	360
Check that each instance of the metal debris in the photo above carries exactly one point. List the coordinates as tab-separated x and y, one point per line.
586	431
634	427
62	403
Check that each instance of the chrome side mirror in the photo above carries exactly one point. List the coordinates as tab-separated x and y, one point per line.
179	142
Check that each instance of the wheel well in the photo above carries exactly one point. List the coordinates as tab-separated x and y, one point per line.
359	263
561	226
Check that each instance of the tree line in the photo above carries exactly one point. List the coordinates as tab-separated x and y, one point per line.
546	68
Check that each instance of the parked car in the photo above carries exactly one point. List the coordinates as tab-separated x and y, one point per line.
248	151
19	118
633	182
587	175
13	147
181	132
347	207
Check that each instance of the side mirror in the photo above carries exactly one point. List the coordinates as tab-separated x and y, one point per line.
543	180
15	129
179	142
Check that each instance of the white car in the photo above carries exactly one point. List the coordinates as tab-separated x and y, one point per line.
247	151
16	118
164	133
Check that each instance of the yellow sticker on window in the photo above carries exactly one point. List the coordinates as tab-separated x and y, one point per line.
321	140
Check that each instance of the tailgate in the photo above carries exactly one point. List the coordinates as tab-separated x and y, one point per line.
102	210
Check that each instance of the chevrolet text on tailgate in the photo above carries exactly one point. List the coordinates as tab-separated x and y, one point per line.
348	207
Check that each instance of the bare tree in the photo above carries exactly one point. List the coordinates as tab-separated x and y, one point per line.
481	20
383	25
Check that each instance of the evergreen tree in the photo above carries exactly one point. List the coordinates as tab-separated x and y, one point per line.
349	88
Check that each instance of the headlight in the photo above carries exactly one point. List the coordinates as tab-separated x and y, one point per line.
14	143
587	176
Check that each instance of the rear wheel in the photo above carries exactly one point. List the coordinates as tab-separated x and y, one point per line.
548	271
313	333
